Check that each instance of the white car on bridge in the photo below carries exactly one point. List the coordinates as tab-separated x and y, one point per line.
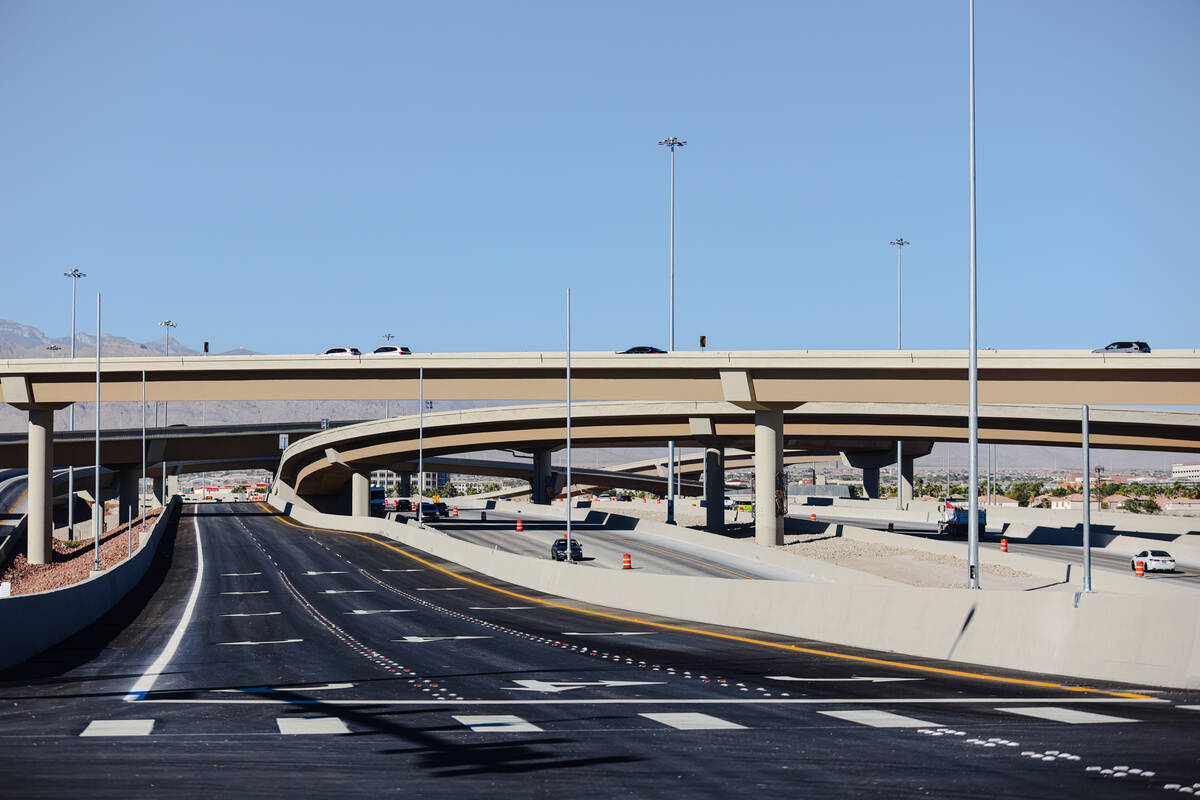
1154	560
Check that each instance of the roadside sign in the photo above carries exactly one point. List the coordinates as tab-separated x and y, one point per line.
437	498
325	424
283	441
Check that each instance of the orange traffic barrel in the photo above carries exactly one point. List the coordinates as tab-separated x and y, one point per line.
1004	545
626	562
520	527
812	517
454	511
1140	568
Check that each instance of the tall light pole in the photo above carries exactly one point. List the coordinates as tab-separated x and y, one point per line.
166	325
387	403
972	355
671	143
568	504
74	275
899	243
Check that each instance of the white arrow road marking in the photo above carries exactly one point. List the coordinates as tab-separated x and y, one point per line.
424	639
277	641
335	572
381	611
614	633
346	591
318	688
566	686
238	574
838	680
257	614
261	591
500	608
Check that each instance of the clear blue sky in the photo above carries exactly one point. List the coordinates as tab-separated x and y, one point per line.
289	176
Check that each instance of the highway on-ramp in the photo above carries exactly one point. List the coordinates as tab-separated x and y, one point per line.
264	658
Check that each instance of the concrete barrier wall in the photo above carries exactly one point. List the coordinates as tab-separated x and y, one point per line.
1141	639
31	623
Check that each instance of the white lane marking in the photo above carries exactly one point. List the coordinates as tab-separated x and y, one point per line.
499	608
837	680
502	723
346	591
310	725
612	633
146	682
260	591
255	614
445	589
566	686
336	572
317	688
1068	715
403	570
694	722
699	701
119	727
1190	708
277	641
238	574
877	719
382	611
424	639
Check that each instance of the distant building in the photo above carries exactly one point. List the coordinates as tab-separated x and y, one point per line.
1186	473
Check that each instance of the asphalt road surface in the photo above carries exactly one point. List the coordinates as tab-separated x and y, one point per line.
1186	575
604	547
263	659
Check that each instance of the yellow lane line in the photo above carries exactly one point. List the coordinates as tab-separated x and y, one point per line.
713	634
19	499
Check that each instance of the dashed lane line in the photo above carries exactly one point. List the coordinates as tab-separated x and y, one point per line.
714	634
119	727
681	701
311	725
877	719
1069	715
276	641
502	723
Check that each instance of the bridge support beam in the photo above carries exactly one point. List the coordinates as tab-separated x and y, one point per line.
714	488
770	483
540	485
128	494
905	486
360	494
40	493
870	479
406	484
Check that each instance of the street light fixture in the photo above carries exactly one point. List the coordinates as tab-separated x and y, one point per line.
74	275
53	348
671	143
899	243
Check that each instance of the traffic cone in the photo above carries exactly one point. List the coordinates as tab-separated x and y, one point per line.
1004	545
520	527
626	562
812	517
1140	569
454	511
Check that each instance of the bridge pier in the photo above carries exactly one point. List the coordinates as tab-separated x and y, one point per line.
714	488
406	484
770	483
904	486
540	485
360	494
128	492
870	479
40	495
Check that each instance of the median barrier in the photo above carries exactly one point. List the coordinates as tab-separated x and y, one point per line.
31	623
1057	633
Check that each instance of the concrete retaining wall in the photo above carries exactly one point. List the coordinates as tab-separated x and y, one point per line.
1137	639
31	623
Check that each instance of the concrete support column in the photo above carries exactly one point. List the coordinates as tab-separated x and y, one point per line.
127	494
541	478
360	494
172	486
870	480
41	495
714	488
770	484
157	488
905	487
406	484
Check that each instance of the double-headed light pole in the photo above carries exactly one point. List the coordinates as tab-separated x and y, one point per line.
74	275
671	143
166	325
899	243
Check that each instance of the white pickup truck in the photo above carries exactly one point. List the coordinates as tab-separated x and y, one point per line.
954	517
